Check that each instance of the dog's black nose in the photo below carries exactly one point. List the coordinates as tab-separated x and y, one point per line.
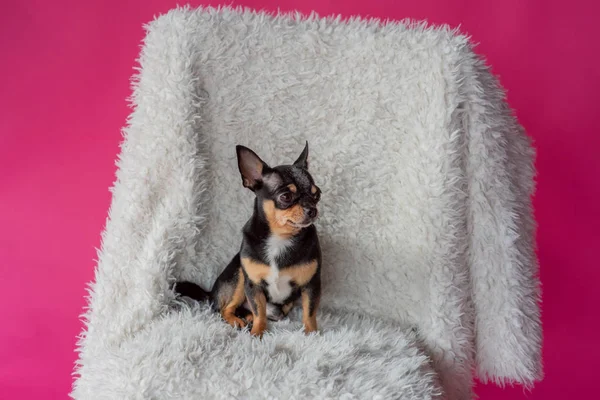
312	212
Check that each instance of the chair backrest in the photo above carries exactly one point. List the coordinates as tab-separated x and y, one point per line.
378	121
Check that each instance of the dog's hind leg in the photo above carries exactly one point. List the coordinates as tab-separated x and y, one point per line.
229	304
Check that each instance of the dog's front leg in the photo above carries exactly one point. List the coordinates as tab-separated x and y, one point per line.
311	296
258	305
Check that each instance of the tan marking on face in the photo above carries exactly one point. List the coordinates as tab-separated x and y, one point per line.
309	320
280	220
228	306
255	270
293	214
292	188
313	189
300	274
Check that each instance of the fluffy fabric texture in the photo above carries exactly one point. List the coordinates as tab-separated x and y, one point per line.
426	226
192	354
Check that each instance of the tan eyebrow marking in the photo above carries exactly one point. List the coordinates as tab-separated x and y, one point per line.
313	189
292	188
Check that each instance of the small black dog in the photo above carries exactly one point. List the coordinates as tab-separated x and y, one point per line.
280	257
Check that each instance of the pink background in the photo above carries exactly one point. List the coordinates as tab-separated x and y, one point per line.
65	69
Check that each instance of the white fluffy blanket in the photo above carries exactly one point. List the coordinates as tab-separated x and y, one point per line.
426	228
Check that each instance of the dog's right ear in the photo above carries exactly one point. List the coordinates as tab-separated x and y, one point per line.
251	167
302	161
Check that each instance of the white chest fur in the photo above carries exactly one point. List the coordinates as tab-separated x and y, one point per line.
279	287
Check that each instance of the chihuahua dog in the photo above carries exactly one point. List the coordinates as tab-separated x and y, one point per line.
279	260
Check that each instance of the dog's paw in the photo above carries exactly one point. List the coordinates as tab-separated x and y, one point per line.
258	328
310	326
235	321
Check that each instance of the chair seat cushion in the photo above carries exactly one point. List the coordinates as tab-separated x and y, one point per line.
191	354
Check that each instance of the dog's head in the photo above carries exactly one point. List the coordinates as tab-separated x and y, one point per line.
287	193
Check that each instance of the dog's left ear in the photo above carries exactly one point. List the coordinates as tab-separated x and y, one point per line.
251	168
302	161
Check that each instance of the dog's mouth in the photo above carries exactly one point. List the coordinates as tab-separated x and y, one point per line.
300	226
304	221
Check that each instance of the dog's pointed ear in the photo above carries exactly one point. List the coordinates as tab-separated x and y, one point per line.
302	161
251	167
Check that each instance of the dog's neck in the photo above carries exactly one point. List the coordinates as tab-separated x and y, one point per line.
275	250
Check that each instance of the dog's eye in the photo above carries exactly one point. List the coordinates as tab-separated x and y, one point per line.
285	197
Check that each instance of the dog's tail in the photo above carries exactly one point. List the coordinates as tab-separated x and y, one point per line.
192	291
